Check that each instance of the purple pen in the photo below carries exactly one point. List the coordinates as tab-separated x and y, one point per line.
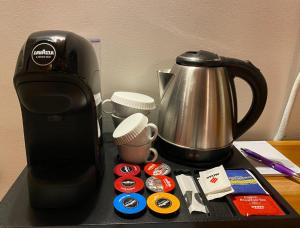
275	165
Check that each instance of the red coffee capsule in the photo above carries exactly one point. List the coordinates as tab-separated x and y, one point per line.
157	169
129	184
124	169
160	183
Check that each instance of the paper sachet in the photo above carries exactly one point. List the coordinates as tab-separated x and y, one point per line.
191	193
215	183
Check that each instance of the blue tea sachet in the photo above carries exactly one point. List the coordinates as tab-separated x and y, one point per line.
244	183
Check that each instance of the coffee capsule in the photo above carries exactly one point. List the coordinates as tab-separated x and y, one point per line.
129	203
124	169
157	169
160	184
163	203
129	184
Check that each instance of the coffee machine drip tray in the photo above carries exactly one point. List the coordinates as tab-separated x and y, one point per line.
98	211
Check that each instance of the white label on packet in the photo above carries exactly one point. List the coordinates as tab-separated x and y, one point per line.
251	174
215	183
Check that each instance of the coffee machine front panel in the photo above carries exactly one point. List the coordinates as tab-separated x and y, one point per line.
58	86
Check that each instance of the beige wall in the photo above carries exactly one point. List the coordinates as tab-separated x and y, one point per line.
139	37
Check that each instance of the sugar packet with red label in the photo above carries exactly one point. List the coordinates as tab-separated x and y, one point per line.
249	205
215	183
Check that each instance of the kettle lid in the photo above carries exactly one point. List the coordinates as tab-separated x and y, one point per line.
198	58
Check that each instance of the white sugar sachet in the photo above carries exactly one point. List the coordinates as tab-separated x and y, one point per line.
191	193
215	183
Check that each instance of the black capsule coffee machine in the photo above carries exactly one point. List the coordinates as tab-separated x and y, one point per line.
58	85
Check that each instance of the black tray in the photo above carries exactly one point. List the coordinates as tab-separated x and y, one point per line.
15	210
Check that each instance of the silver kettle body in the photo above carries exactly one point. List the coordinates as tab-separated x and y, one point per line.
198	108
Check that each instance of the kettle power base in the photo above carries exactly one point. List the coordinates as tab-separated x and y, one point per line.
98	211
203	159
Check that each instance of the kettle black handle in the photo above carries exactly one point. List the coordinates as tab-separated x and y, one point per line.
252	75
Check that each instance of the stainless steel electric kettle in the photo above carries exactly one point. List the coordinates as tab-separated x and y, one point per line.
198	108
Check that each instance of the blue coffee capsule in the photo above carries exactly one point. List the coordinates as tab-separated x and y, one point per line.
130	203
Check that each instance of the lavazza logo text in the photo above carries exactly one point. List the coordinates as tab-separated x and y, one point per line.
43	54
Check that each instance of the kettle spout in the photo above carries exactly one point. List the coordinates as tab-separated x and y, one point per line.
164	77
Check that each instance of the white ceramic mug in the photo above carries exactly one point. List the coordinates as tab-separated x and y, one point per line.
137	154
122	111
147	135
117	120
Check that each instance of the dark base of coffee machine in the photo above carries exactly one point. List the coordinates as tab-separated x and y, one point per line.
196	158
61	188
